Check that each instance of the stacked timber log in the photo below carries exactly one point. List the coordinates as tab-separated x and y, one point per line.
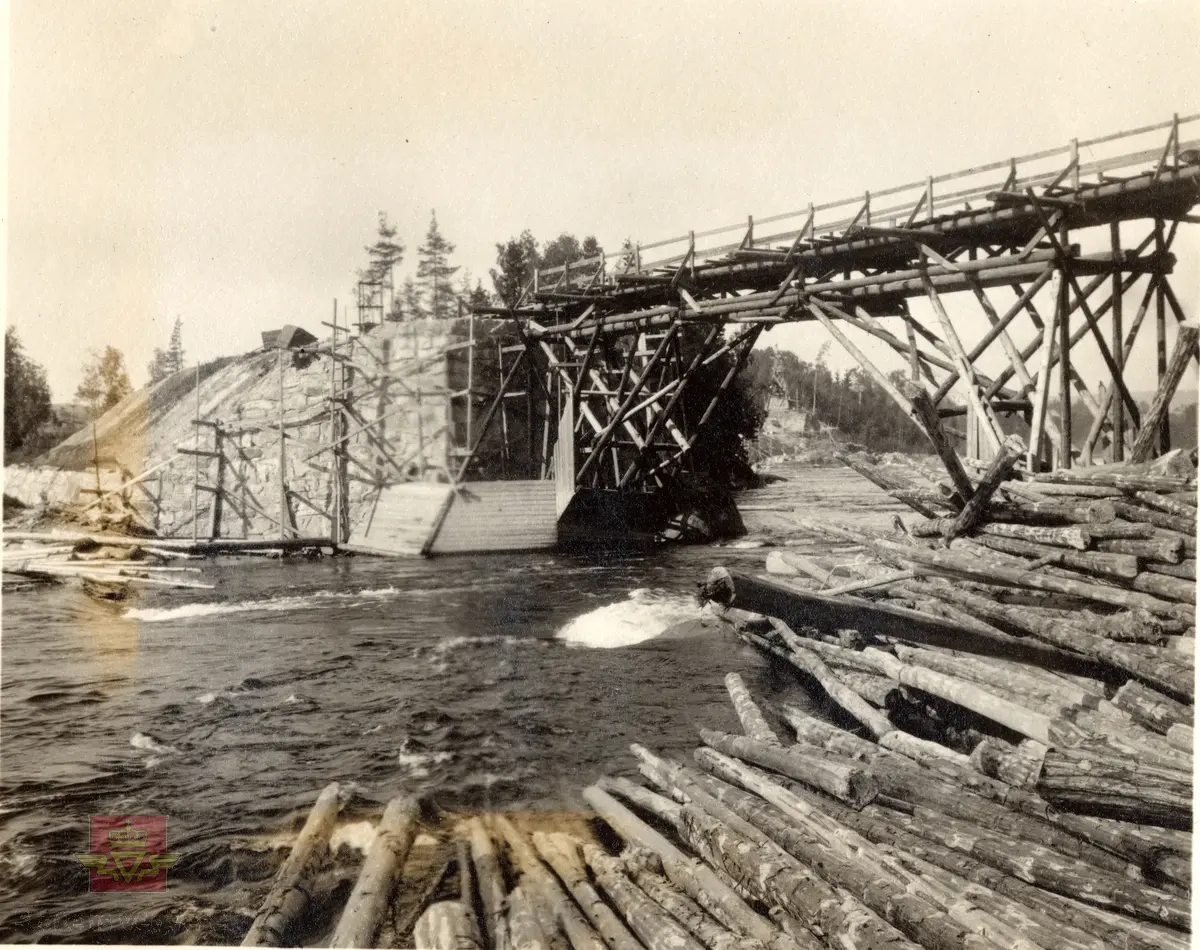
107	568
1003	762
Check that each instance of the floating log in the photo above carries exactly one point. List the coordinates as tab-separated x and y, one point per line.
1160	519
1120	530
889	485
545	889
1094	780
970	696
783	880
1047	869
802	608
561	852
1101	511
750	716
842	780
875	689
948	565
650	802
1185	569
523	929
1123	566
1050	489
1182	737
1073	536
1164	550
368	902
289	893
693	877
1170	504
1006	678
1158	671
657	929
876	824
1113	476
808	662
446	924
837	822
639	865
1168	588
490	879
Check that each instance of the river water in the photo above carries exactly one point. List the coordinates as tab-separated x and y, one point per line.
497	682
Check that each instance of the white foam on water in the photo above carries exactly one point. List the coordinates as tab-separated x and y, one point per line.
217	608
356	834
646	614
417	763
140	740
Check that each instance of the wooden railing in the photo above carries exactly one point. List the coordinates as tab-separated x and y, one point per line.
920	201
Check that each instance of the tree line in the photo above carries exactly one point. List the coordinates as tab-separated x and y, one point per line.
437	288
849	401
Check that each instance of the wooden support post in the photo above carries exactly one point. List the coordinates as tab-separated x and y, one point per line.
987	418
1042	396
284	511
1064	388
998	471
817	308
214	511
1118	348
925	412
470	373
914	366
195	464
1185	346
335	466
1160	325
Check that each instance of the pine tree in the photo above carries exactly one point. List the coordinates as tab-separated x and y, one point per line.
175	347
515	262
169	361
413	305
105	381
479	297
434	271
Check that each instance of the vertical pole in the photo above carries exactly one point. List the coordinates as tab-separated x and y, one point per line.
334	468
1118	346
529	371
1075	164
96	456
929	195
1064	365
196	463
420	421
503	411
470	376
283	501
1160	314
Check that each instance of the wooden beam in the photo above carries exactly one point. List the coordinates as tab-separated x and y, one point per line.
1185	347
991	425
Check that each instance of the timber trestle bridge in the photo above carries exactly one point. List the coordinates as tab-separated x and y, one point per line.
1062	246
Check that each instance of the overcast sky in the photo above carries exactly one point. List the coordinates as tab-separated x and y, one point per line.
224	161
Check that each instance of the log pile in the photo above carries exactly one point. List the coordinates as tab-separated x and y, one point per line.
108	568
1003	760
